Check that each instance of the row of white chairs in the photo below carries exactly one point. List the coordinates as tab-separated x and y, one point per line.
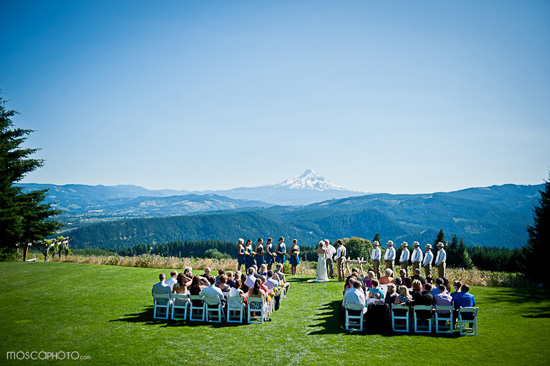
185	307
400	319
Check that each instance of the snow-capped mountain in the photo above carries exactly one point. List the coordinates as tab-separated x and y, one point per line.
310	180
308	188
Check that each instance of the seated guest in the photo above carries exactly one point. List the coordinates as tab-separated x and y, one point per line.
422	298
392	297
264	287
438	282
172	280
224	286
447	284
237	275
220	272
251	278
181	285
384	280
256	274
230	278
161	288
463	299
263	270
457	285
378	299
256	291
244	286
349	282
355	295
416	290
368	281
418	277
212	290
403	275
207	274
429	279
408	282
404	296
397	281
443	298
281	276
374	289
237	291
270	283
195	289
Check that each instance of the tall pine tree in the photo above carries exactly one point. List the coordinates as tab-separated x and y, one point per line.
23	216
537	249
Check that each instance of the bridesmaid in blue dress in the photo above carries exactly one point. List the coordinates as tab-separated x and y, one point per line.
281	251
260	253
248	257
269	253
240	254
294	256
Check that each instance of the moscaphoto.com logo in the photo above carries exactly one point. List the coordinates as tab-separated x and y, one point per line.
44	356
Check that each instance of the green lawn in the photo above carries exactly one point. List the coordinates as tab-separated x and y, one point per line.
105	312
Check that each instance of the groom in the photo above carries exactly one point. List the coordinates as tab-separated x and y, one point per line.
330	251
341	260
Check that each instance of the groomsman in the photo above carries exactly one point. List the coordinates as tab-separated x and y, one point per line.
440	260
428	258
416	257
375	255
340	260
405	254
389	257
330	250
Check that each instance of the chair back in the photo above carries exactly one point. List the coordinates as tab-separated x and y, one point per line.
162	299
180	299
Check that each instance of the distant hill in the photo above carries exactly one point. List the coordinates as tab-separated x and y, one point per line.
396	217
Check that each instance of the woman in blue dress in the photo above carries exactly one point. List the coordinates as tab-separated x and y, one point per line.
240	254
281	251
269	254
260	253
248	256
294	256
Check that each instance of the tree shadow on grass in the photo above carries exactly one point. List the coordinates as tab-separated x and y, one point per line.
537	299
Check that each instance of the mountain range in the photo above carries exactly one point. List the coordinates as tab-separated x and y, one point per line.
115	217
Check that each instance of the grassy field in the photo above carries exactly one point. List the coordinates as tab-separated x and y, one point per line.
105	314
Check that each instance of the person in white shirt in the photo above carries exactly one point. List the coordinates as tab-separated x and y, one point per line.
389	257
427	263
251	278
416	257
404	258
375	255
212	290
172	280
340	260
355	296
440	260
330	251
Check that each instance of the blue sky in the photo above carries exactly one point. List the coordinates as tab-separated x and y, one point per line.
393	96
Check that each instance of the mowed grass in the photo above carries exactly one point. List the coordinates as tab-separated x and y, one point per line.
105	312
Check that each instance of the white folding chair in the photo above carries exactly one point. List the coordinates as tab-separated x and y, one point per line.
196	308
400	318
255	307
355	321
443	319
467	321
179	306
421	324
162	306
235	309
214	309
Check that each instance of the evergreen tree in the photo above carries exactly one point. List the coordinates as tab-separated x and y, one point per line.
377	238
23	216
440	238
538	244
463	258
452	253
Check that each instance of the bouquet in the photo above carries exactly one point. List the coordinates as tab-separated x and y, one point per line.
253	253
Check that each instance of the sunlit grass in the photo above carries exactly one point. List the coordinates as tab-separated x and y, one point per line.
105	312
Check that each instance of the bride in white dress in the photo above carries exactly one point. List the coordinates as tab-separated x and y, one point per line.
322	275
